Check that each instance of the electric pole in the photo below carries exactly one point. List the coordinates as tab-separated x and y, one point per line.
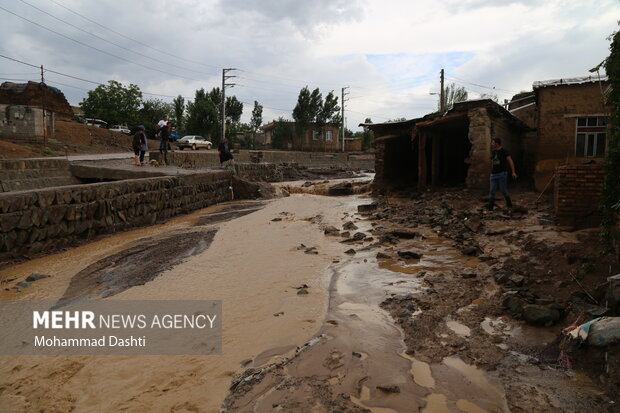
225	77
442	95
343	101
43	89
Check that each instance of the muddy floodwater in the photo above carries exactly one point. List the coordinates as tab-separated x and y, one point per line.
256	256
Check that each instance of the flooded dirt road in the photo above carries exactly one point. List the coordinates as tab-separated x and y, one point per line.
290	271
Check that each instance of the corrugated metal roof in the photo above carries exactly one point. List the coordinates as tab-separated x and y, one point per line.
569	81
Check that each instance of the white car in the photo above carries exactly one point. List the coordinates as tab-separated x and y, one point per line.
193	141
120	128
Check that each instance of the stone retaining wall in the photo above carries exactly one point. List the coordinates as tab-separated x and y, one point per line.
23	174
48	219
210	159
577	194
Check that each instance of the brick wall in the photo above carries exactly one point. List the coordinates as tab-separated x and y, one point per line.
52	218
577	195
24	123
22	174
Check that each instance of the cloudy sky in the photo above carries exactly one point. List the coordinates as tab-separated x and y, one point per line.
389	53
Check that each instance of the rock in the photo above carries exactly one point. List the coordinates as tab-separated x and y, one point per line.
345	234
358	236
311	250
341	189
473	224
367	208
470	251
516	279
405	233
409	255
350	251
513	304
36	277
332	231
349	226
536	314
356	354
381	255
468	275
389	389
302	291
604	332
276	219
23	284
501	277
519	209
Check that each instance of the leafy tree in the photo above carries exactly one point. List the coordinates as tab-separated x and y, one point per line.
282	132
453	95
151	112
611	196
179	111
368	136
306	111
114	103
234	110
256	121
203	116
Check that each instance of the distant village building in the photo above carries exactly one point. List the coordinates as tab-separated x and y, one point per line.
451	148
324	139
28	111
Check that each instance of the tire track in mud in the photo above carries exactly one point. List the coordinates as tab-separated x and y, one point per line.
150	258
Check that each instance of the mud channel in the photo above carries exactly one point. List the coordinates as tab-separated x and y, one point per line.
317	318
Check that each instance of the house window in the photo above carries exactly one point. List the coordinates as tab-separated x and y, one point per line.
315	135
328	136
591	138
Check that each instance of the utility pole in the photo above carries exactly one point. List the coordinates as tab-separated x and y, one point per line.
343	101
225	77
442	95
43	90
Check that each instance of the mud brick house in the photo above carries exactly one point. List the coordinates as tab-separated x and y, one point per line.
28	111
570	118
314	140
449	148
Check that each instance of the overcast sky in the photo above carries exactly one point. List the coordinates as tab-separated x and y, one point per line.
389	53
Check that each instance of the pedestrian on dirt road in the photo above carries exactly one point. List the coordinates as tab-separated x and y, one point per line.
500	160
160	125
138	140
164	139
225	155
144	146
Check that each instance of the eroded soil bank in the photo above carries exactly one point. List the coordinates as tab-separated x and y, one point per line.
326	309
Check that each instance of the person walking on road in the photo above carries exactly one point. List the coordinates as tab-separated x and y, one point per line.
501	161
164	138
139	139
225	155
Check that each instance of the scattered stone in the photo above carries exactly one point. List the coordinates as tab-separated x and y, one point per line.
470	251
473	224
36	277
519	209
409	255
341	189
301	286
332	231
345	234
604	332
516	279
350	251
356	354
278	314
389	389
468	275
536	314
381	255
367	208
513	304
311	250
303	291
276	219
405	233
23	284
349	226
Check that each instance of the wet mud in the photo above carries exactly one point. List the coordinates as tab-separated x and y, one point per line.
230	212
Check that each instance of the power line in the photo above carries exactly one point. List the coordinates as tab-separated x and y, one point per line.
97	49
110	42
482	86
127	37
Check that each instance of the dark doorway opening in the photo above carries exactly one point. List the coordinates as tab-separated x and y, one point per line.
400	161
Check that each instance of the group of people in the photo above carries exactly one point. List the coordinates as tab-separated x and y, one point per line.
163	133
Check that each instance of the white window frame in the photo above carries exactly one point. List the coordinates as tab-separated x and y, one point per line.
315	135
591	132
328	135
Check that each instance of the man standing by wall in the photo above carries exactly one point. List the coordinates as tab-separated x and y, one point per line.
501	160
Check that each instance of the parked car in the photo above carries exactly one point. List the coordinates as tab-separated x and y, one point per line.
120	128
96	122
193	141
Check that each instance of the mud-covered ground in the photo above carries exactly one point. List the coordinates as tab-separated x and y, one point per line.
480	300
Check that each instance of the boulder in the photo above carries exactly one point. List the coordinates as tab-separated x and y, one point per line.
604	332
409	255
536	314
341	189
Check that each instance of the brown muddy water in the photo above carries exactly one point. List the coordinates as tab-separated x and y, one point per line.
248	255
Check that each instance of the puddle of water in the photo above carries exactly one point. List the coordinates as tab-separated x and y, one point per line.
422	374
469	407
458	328
436	403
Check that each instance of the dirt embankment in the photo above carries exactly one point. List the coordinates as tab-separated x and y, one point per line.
70	138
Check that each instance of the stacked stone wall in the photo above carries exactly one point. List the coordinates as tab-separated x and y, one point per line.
577	194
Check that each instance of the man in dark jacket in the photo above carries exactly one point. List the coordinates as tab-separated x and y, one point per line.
164	139
501	161
138	140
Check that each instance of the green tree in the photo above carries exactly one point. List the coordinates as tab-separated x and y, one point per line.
283	132
203	116
454	94
114	103
368	136
179	111
611	196
305	111
256	121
